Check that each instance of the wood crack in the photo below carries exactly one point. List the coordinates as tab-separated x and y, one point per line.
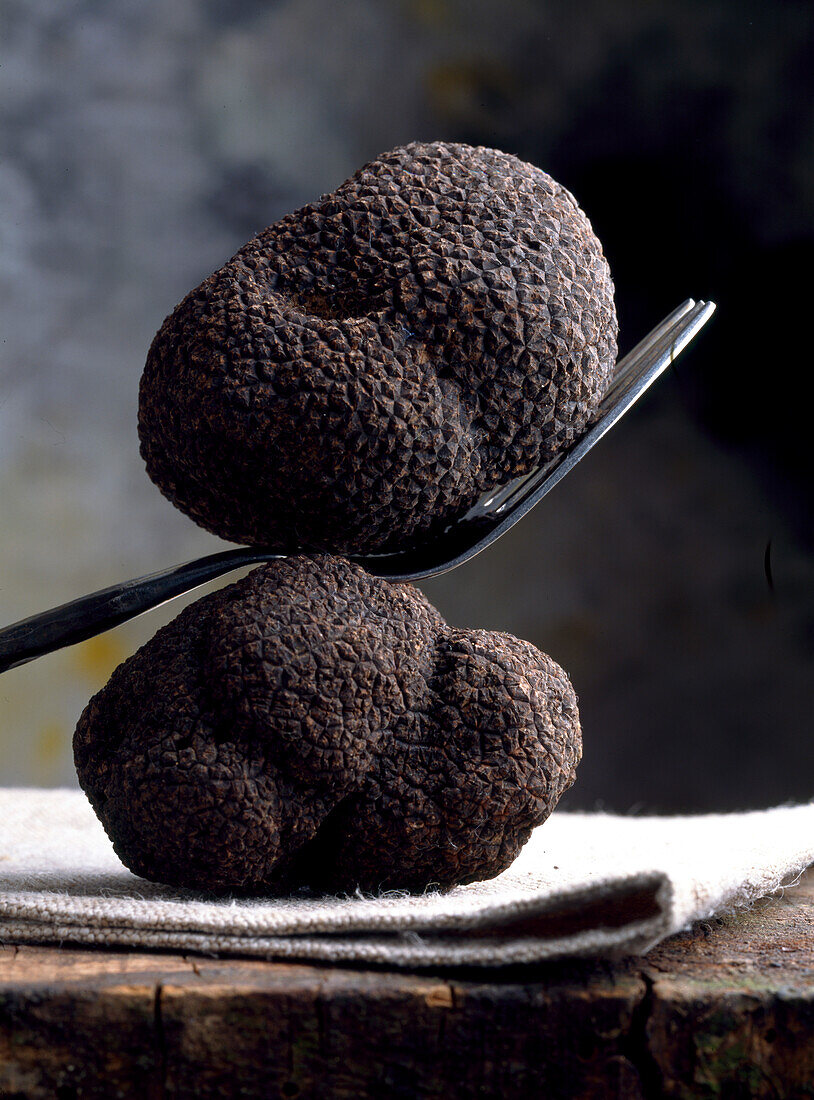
635	1045
160	1041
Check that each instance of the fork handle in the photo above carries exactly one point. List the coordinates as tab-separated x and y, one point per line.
90	615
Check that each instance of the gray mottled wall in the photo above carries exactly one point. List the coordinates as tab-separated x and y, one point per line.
141	144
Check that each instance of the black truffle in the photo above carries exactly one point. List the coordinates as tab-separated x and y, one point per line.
313	725
362	370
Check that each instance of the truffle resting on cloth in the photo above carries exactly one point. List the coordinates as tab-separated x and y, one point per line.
362	370
312	725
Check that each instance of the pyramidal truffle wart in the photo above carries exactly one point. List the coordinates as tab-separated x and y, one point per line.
314	725
362	370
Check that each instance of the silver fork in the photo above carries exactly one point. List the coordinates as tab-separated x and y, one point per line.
460	540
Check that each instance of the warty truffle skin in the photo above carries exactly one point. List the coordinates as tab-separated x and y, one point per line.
312	725
363	369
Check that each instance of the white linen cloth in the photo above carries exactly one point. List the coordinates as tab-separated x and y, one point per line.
585	884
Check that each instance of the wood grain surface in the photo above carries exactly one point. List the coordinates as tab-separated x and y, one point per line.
726	1010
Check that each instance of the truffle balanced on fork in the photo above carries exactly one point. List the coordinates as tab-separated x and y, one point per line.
396	373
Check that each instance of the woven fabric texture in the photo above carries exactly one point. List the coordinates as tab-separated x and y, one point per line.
585	884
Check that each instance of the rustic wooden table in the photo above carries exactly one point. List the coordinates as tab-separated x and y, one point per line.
724	1011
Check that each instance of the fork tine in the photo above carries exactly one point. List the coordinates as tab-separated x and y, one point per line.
497	496
504	497
640	369
482	526
501	494
629	361
661	351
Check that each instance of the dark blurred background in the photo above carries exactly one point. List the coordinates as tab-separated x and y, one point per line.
672	573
